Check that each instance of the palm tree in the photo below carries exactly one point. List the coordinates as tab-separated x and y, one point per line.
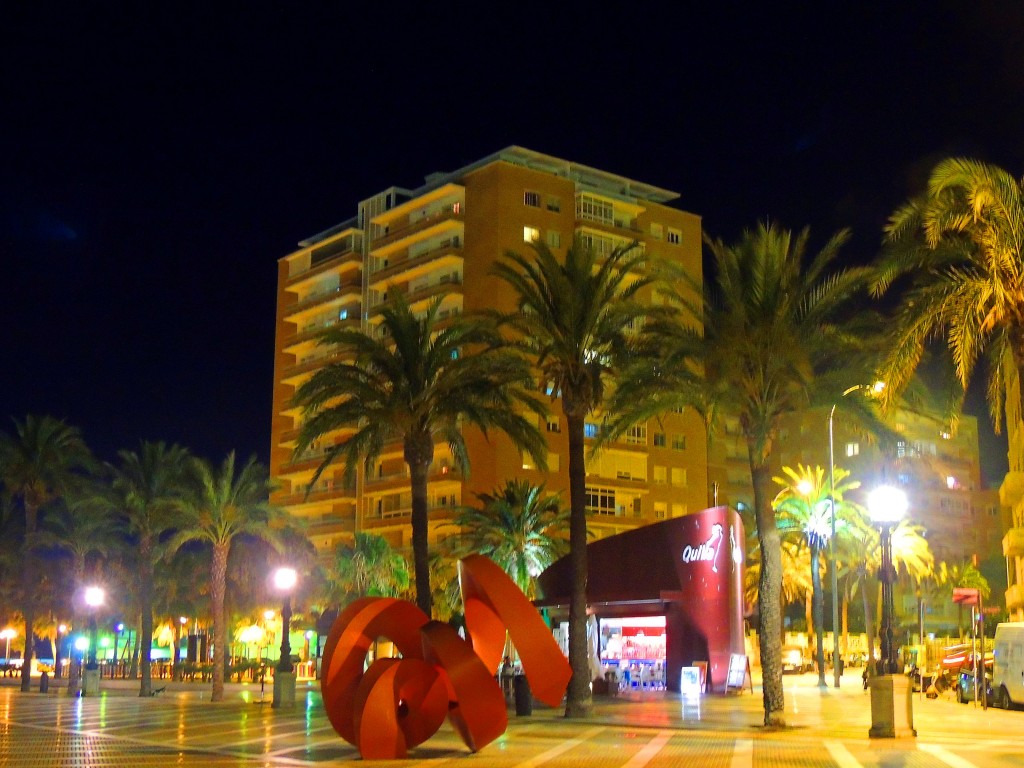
222	505
147	490
418	382
38	462
769	335
369	567
803	508
573	322
518	527
961	241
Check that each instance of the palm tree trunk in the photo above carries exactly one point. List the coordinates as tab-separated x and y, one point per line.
769	595
146	601
420	535
579	698
28	587
418	450
869	626
218	584
818	599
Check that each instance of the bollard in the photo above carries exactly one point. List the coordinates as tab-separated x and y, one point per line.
44	682
524	700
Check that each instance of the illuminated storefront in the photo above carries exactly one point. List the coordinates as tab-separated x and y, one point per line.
664	596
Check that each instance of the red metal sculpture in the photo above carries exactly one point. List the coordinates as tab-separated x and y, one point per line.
399	703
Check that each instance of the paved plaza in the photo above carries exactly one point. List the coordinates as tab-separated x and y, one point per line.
180	727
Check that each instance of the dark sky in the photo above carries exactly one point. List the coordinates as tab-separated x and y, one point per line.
159	158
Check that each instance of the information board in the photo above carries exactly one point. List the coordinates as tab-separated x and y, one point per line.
739	673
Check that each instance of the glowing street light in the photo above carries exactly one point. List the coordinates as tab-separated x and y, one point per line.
887	506
7	634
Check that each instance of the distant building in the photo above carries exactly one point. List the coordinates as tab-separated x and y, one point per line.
442	239
1011	495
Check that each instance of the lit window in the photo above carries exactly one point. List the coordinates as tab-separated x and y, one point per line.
456	207
678	476
853	449
528	463
343	315
660	474
590	429
660	510
554	239
951	482
945	435
674	236
531	199
531	234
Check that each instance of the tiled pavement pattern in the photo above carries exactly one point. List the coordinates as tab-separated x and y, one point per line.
182	728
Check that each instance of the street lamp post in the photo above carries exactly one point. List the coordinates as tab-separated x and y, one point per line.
887	505
877	387
94	598
284	674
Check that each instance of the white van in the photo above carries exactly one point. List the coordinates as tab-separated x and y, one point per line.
1008	665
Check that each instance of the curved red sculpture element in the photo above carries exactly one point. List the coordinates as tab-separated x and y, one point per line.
493	602
399	703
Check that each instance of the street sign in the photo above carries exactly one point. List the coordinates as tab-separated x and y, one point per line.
965	596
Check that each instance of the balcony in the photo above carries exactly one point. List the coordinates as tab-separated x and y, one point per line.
1014	598
352	286
447	253
1013	543
1011	492
311	331
317	495
401	232
353	256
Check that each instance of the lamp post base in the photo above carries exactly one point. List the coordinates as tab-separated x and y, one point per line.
892	707
91	682
284	689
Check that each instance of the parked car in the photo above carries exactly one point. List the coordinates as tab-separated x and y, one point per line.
794	659
965	686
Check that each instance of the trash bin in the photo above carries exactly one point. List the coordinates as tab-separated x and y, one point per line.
523	698
44	682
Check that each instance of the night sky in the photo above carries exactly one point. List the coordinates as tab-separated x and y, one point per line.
156	166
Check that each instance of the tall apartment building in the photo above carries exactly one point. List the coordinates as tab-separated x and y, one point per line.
1011	494
441	239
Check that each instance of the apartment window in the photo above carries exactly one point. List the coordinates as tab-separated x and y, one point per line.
531	199
590	429
656	231
674	236
528	462
678	442
678	476
636	435
660	510
659	439
600	501
554	205
660	474
595	209
456	207
554	239
553	425
853	449
531	234
343	315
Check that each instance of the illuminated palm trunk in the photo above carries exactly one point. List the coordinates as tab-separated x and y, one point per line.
218	583
579	698
769	596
